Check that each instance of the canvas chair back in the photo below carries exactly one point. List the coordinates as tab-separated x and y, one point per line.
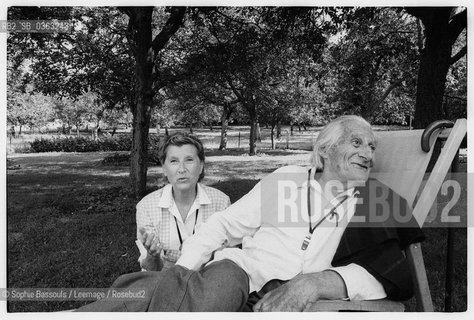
400	163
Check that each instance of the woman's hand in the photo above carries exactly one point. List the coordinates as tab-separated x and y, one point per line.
152	244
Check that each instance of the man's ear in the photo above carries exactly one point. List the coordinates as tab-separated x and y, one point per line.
323	152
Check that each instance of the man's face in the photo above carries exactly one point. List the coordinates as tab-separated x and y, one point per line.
351	158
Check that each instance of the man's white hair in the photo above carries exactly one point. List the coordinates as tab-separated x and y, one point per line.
330	135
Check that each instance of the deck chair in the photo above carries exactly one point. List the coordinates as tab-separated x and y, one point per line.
401	160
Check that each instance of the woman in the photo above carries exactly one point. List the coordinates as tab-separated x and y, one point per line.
168	216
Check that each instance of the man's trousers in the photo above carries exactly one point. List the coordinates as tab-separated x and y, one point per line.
220	286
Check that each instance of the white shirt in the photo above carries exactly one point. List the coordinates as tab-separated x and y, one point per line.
271	221
157	212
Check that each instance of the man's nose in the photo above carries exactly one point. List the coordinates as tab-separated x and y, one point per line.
366	152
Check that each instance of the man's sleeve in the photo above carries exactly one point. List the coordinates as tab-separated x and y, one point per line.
227	228
360	284
387	263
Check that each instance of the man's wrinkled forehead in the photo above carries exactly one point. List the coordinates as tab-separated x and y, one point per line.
354	129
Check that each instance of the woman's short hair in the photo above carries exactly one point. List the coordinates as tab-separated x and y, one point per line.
330	135
180	139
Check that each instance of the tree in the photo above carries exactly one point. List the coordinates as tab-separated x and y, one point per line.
246	52
24	106
70	112
373	61
145	49
442	27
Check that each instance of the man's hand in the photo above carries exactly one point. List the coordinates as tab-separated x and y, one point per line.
303	290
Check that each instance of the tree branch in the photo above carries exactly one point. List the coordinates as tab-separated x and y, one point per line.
457	25
458	55
387	92
237	93
172	25
454	97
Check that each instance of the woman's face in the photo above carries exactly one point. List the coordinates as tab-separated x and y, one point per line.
182	166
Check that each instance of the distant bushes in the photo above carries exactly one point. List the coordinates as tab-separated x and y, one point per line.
85	144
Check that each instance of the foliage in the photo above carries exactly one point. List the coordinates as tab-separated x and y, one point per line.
120	142
372	63
455	97
81	144
31	109
24	105
91	58
267	65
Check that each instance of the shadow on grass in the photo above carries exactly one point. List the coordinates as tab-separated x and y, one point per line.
235	189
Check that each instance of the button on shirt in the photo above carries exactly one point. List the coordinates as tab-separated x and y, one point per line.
157	212
272	237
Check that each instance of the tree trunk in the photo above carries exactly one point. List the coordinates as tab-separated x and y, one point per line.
253	135
225	117
139	152
95	131
167	132
272	133
145	49
224	125
259	132
95	134
442	30
141	109
158	128
434	66
278	127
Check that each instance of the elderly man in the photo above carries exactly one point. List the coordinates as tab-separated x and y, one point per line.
305	235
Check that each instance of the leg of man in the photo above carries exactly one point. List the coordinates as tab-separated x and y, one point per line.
220	286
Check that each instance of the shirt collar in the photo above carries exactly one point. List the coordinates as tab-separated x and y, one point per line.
202	195
350	193
167	200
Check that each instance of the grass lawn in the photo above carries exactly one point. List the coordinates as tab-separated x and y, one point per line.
71	223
